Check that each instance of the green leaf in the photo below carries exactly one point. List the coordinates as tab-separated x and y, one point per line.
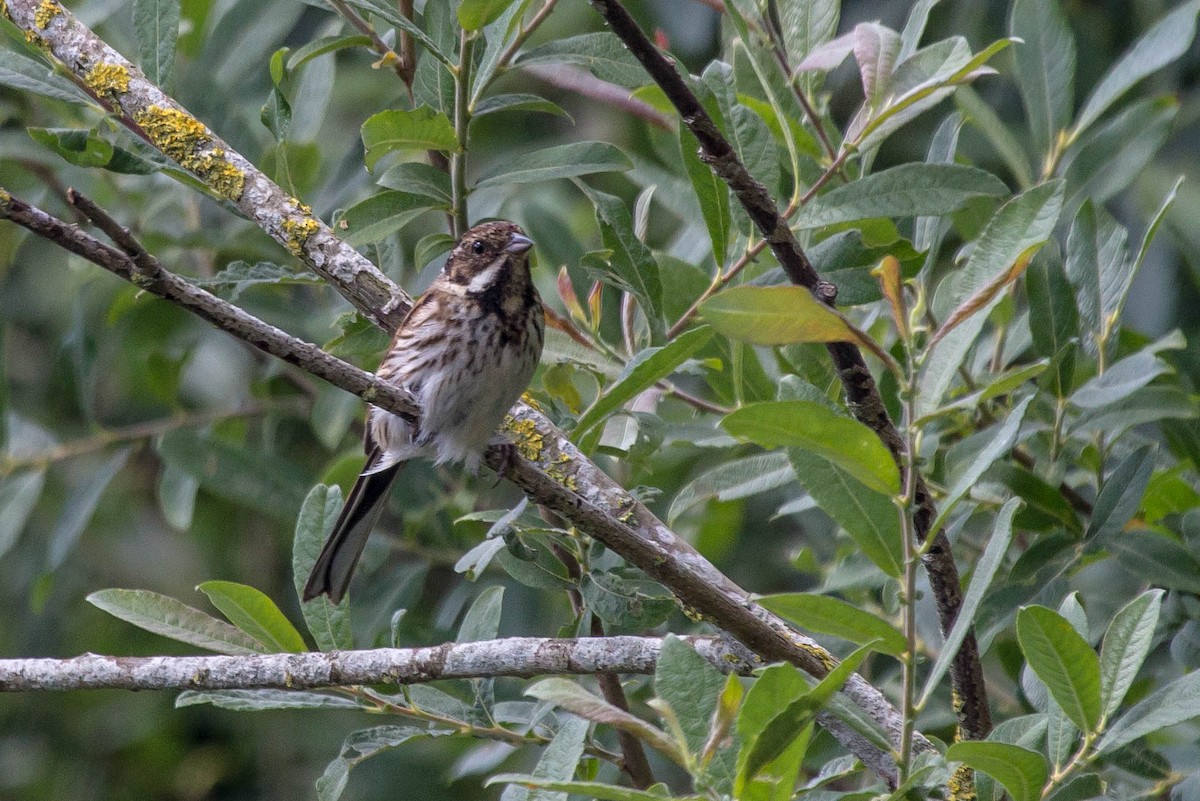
482	621
739	478
596	790
518	102
329	623
81	505
256	614
1021	771
239	276
691	686
1147	405
1159	46
269	483
1125	377
1106	160
418	178
321	46
396	129
262	700
81	148
774	315
711	193
984	117
386	10
380	216
156	23
631	604
19	493
1053	319
994	443
807	24
365	744
1175	703
909	190
813	426
558	763
1099	268
601	54
1064	662
474	14
631	265
982	576
1121	495
177	496
1127	642
26	75
1021	224
562	161
160	614
1045	69
642	372
1157	558
825	614
869	518
573	698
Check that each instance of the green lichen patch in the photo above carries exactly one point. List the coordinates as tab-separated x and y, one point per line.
108	80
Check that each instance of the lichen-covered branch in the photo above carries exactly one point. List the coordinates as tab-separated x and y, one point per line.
521	657
862	394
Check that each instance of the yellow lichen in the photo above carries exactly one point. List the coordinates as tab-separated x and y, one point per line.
108	80
526	437
962	784
300	206
4	10
297	232
47	11
820	654
184	138
528	399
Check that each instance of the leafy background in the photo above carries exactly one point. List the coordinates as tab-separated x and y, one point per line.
212	490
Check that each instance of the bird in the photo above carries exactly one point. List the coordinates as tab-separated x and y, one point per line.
466	351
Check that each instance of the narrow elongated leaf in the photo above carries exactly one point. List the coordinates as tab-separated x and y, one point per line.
981	579
518	102
474	14
1113	155
1064	662
813	426
262	700
601	791
329	623
1097	264
876	48
81	505
387	11
632	265
575	699
1121	380
1045	68
601	54
364	744
643	371
1000	441
156	23
1175	703
828	615
869	518
558	763
254	613
1121	495
26	75
482	621
774	315
909	190
1021	771
380	216
711	193
562	161
422	128
19	493
691	686
1023	223
1159	559
1126	644
1159	46
170	618
739	478
1053	319
78	147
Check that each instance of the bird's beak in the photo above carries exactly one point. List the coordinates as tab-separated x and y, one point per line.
519	244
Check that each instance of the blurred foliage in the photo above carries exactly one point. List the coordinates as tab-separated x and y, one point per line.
1011	188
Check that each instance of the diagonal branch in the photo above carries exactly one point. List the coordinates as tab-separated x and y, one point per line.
862	394
521	657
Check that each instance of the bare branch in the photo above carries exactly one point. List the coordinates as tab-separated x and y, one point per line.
521	657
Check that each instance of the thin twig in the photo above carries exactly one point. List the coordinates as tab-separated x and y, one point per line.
576	81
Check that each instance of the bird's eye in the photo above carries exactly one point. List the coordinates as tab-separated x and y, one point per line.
478	247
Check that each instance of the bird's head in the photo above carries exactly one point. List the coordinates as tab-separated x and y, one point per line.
489	253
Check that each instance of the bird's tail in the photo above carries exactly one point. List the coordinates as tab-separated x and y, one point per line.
335	565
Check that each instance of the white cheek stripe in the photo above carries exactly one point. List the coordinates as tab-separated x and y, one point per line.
486	278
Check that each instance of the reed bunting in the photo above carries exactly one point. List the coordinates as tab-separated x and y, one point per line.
466	352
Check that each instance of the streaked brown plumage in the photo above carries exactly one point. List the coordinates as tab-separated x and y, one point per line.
466	352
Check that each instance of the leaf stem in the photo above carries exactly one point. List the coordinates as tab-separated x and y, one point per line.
462	121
